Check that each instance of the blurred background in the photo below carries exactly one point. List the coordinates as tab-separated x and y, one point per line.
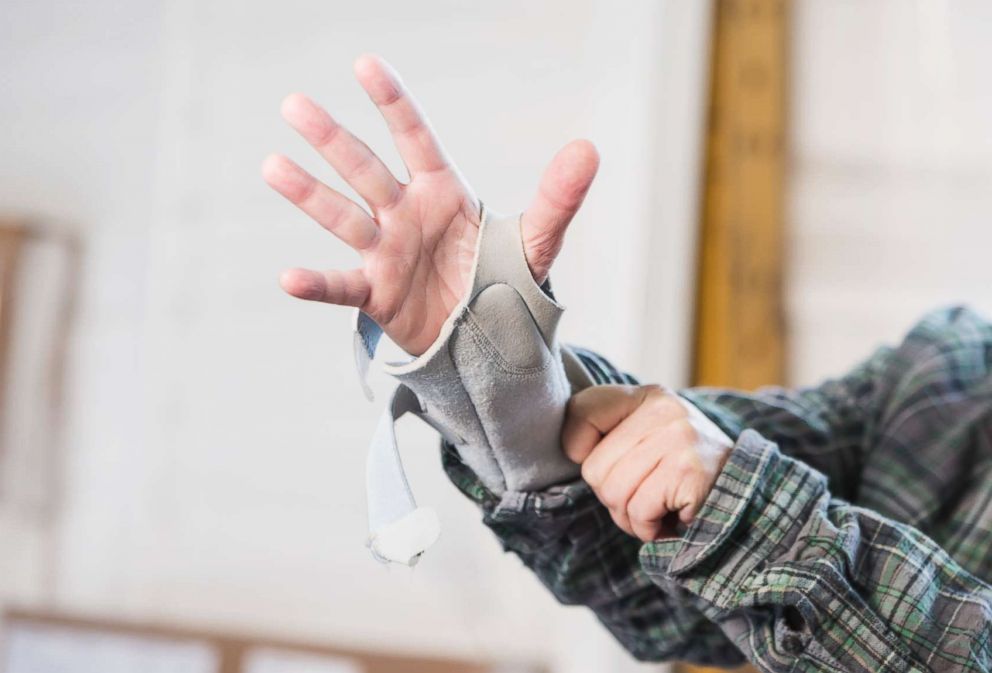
784	186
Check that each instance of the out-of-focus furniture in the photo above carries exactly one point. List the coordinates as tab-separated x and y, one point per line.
38	279
12	234
61	643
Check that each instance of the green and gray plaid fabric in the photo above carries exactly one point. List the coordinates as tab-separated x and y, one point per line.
850	530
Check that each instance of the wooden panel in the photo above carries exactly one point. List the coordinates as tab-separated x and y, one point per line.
12	234
739	327
739	312
233	648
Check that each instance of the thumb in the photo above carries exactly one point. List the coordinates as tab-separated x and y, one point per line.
592	413
562	189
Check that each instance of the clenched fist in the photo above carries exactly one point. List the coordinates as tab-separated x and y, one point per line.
650	456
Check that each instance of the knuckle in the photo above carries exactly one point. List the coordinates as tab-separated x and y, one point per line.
655	398
653	391
699	493
543	249
663	403
688	514
359	166
590	473
572	444
680	471
619	519
644	530
684	433
684	467
613	494
642	511
607	501
570	451
574	406
580	404
304	191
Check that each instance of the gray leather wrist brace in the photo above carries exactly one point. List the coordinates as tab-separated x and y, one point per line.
494	384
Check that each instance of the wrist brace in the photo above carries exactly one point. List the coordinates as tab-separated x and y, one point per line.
494	384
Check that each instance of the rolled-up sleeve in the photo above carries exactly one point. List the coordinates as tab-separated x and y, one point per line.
801	581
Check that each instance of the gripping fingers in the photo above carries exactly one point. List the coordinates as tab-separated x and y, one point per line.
647	508
652	412
626	476
345	288
593	413
336	213
350	157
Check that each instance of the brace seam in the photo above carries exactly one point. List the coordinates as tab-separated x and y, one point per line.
484	343
475	414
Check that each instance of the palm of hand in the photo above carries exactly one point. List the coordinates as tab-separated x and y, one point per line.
417	275
417	240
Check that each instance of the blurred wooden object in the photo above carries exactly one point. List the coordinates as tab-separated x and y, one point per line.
12	233
39	277
233	652
740	330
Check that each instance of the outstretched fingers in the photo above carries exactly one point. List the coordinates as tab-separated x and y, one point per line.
345	288
339	215
350	157
562	189
415	139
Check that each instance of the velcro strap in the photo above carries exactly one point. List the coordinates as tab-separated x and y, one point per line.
399	531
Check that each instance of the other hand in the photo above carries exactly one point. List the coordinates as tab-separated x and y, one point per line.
650	456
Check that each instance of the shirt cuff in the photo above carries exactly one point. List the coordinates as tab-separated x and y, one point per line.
757	508
541	515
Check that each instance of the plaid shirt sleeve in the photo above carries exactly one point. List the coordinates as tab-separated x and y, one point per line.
789	574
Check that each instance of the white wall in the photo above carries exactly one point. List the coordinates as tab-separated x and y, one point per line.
214	453
80	100
891	208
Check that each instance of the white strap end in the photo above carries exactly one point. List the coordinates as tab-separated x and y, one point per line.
404	540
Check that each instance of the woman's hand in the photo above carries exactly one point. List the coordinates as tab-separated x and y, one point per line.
417	239
650	456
